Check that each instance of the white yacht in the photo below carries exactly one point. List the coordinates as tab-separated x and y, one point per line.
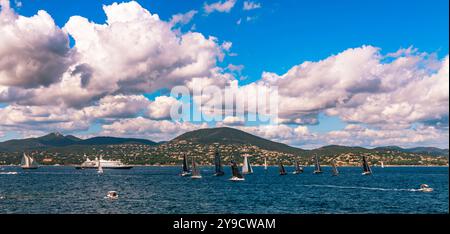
105	164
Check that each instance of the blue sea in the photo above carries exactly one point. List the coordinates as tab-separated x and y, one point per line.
160	190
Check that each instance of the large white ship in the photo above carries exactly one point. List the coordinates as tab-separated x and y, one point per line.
106	164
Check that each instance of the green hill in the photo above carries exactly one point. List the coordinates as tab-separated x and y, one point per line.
58	140
433	151
234	136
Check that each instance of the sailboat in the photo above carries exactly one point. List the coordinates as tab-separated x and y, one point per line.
282	170
246	168
265	164
28	162
335	170
185	171
298	169
100	168
382	164
195	171
317	168
366	167
218	164
237	176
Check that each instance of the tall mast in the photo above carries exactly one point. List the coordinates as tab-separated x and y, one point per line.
195	171
335	170
218	164
235	170
366	167
282	170
185	164
100	168
318	168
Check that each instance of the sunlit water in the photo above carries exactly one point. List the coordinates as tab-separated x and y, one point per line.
161	190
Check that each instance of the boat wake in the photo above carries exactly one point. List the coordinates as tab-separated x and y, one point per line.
9	173
364	188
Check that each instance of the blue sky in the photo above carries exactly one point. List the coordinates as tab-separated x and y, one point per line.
296	30
282	34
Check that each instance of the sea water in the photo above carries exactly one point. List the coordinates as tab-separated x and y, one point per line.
161	190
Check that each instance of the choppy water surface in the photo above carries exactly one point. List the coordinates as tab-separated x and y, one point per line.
161	190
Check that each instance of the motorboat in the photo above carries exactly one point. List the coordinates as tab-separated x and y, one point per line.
112	195
425	188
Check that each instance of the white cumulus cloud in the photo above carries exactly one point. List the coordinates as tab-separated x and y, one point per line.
34	51
220	6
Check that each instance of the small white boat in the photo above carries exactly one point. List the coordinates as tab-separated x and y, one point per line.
425	188
112	195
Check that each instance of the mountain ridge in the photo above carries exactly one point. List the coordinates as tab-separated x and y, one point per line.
59	140
222	135
225	135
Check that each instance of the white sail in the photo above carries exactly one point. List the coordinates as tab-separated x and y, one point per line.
382	164
25	161
33	163
28	162
246	168
265	163
100	168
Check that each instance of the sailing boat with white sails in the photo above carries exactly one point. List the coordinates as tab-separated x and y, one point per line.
317	169
298	169
195	171
237	176
265	164
100	168
246	168
335	170
28	162
185	171
366	168
218	164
